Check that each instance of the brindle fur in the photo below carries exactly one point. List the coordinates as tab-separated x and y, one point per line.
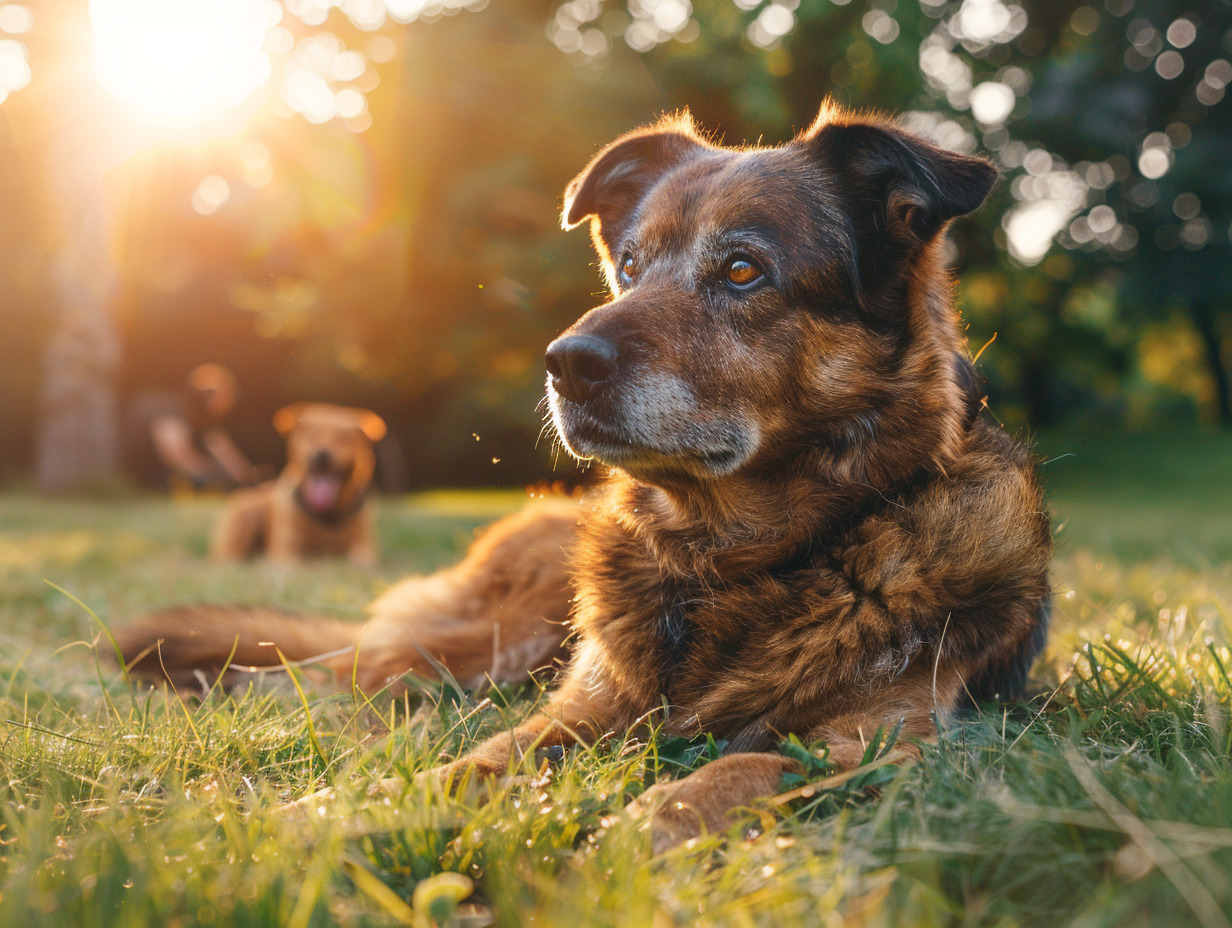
808	529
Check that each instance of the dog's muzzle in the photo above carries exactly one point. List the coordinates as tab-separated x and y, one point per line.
580	365
644	420
321	462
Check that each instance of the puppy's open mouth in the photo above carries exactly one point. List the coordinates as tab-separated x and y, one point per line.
320	492
321	489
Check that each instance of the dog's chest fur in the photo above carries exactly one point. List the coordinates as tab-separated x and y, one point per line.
783	647
725	655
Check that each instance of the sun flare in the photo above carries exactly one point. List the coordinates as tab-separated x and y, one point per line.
180	60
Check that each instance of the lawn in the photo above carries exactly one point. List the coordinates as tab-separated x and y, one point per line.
1107	800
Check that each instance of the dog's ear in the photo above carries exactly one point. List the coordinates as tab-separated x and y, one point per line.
610	188
372	425
285	418
918	186
901	189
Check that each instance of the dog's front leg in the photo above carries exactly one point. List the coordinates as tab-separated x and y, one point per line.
362	552
705	800
502	753
582	707
282	546
490	759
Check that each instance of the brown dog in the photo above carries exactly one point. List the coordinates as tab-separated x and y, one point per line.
317	505
499	614
809	528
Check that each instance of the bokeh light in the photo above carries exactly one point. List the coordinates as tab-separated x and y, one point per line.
1050	195
211	194
980	23
15	74
370	15
255	165
775	21
16	19
1182	32
1156	156
944	70
586	29
318	78
880	26
992	102
14	67
1169	65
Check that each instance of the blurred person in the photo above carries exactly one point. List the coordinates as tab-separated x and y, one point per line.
179	440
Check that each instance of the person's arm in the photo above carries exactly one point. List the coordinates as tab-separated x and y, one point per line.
172	439
223	449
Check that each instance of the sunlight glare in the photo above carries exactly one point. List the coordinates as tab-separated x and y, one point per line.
176	60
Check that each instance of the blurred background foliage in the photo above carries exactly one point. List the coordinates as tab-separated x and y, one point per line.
374	221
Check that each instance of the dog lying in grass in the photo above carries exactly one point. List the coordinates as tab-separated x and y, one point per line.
317	506
498	615
809	528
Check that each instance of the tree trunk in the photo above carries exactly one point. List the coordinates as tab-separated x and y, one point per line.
78	431
1204	318
86	135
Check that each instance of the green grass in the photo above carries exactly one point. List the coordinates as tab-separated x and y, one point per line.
1143	497
1105	801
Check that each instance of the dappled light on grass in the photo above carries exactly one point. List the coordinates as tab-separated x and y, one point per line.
67	549
1093	800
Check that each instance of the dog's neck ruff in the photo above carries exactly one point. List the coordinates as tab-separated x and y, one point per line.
765	528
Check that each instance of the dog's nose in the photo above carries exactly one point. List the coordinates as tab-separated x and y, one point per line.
580	364
320	461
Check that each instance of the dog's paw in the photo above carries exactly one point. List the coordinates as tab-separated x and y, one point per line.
325	802
708	800
315	805
670	819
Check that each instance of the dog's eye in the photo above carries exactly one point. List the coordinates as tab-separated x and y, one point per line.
628	269
741	272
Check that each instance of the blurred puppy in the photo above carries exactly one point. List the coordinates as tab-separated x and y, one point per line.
316	506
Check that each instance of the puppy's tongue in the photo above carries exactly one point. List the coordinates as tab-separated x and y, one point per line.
321	491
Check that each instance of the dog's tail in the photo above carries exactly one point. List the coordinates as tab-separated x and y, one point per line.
182	643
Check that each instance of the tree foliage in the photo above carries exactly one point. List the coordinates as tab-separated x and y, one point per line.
399	247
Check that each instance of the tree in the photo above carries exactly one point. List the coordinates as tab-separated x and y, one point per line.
377	224
77	439
1154	153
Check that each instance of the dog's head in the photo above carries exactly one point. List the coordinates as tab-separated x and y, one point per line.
329	454
767	301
